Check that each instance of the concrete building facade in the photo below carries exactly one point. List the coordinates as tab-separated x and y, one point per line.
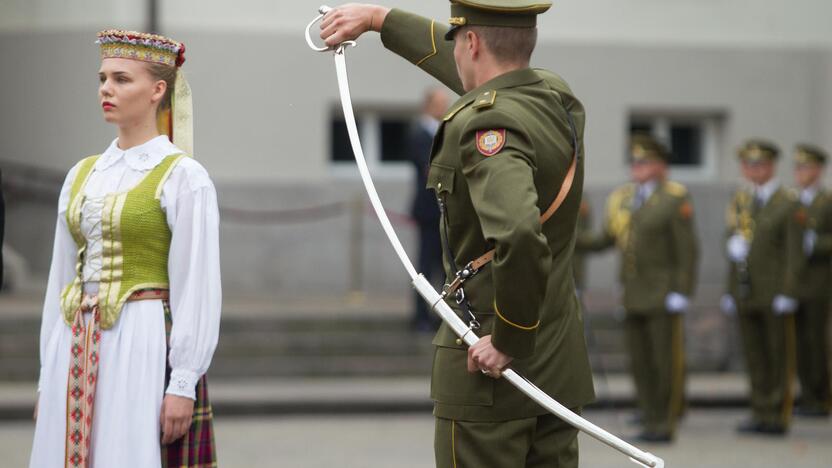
716	71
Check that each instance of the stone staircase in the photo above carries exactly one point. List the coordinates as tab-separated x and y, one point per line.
334	339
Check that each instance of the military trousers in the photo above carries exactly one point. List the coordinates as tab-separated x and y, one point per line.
769	347
539	442
812	322
655	340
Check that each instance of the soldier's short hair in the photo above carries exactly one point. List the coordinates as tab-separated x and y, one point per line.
512	45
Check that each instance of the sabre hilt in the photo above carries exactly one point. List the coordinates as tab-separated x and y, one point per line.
338	49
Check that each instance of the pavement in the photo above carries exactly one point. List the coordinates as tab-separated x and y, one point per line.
369	422
364	395
706	439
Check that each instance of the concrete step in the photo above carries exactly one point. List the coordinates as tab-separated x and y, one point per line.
322	339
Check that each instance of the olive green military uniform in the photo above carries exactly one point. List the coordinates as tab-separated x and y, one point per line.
498	161
579	257
814	291
659	254
773	230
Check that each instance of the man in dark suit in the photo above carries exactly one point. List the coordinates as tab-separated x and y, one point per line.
424	210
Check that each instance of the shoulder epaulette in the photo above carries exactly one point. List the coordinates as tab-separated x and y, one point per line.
675	189
485	100
621	192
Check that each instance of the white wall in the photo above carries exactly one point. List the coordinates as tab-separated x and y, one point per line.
262	112
263	103
66	15
730	22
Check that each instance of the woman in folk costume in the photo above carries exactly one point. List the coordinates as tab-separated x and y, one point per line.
132	309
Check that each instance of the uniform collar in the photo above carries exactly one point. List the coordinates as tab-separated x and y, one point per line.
764	192
524	76
141	157
808	194
521	77
648	188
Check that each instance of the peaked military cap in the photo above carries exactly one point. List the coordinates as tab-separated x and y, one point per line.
504	13
804	154
758	150
644	147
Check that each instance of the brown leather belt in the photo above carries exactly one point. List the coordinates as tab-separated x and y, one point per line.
89	302
149	294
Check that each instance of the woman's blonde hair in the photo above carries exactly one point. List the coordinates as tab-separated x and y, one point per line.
167	74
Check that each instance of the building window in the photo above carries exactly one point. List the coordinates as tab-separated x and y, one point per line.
393	132
692	138
339	140
383	133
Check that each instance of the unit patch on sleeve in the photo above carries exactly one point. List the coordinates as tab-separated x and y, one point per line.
490	142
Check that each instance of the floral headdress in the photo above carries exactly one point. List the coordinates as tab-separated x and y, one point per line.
177	122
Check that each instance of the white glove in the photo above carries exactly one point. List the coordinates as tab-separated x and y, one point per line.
738	248
783	305
676	303
810	239
727	305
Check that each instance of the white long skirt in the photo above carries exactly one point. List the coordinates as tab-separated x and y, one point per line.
128	400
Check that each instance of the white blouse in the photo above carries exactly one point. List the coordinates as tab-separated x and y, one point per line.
190	203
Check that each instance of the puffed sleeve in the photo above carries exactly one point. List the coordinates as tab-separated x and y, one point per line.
63	268
190	202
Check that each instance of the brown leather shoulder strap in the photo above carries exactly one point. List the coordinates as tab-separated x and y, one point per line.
553	208
474	266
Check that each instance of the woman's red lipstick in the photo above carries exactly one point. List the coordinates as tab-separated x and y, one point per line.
107	105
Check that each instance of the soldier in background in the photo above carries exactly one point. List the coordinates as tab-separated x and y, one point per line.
812	316
765	252
424	210
650	220
2	224
579	257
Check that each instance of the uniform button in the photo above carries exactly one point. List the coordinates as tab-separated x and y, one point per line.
459	341
439	186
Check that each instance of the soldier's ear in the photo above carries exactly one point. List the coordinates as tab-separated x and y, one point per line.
473	43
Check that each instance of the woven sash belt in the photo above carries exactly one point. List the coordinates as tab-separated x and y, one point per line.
83	375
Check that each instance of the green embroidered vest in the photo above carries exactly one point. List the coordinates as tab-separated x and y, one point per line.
136	241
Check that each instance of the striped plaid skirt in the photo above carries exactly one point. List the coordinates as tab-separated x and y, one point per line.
196	449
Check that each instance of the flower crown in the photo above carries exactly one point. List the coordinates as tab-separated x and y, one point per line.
117	43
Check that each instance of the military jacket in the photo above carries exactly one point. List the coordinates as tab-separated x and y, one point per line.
658	244
498	161
775	258
816	277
